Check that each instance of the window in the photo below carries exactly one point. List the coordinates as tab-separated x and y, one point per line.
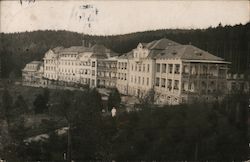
135	54
147	81
164	67
176	84
131	79
139	67
158	66
93	72
157	82
185	69
125	66
143	69
142	80
135	67
204	69
93	63
169	84
132	67
163	82
139	80
170	68
148	67
177	69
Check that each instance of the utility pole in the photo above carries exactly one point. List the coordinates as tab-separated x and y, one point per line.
196	151
69	157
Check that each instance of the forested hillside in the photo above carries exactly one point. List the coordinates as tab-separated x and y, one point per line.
229	42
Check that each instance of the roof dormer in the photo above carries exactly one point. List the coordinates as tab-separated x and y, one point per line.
140	46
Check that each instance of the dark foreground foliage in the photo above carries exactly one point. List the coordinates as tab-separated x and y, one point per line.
197	132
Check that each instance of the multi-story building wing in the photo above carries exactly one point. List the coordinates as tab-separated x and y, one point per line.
185	73
177	73
106	72
238	83
141	66
103	64
123	71
51	64
85	67
78	64
32	73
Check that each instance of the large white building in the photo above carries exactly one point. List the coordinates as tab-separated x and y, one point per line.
177	73
88	65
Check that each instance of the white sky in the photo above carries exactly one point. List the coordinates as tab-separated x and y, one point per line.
120	17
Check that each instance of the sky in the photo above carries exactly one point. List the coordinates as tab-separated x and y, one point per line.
112	17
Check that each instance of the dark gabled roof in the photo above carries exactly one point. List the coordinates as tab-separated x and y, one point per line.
75	49
113	54
160	44
187	52
126	55
154	53
155	47
144	44
36	62
167	49
57	49
97	49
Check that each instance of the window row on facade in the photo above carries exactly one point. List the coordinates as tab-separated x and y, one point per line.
50	68
168	68
51	76
52	61
162	82
68	55
140	67
122	65
106	64
121	76
140	80
102	82
204	69
106	74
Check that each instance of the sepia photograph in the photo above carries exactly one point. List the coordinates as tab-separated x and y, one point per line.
124	80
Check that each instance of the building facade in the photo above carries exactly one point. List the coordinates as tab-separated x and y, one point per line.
32	74
177	73
86	65
238	83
